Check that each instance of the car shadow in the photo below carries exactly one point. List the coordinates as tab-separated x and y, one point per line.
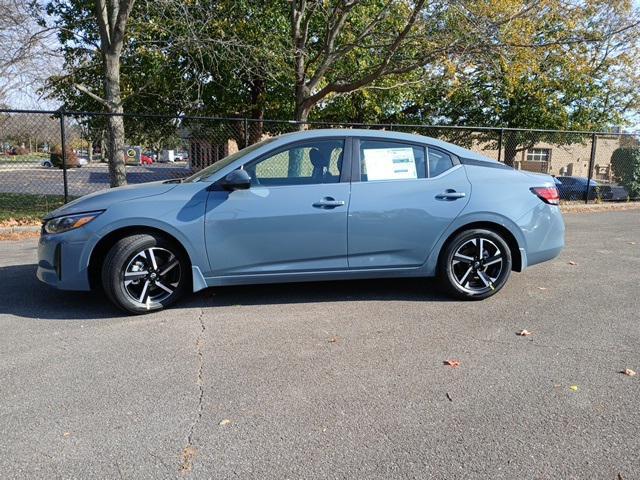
396	289
23	295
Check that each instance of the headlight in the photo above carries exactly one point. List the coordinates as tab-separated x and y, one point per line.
69	222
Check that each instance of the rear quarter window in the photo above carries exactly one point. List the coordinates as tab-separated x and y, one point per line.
438	161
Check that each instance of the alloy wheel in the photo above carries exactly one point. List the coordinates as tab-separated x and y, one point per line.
476	265
152	275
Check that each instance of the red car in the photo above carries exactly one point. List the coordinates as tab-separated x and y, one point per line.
145	160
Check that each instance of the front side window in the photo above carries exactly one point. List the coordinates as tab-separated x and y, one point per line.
382	160
302	164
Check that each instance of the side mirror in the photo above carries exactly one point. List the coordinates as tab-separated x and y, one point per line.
237	180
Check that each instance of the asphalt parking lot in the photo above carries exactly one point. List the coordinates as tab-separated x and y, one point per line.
335	380
35	179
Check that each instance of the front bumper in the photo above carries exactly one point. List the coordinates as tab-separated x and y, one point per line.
59	262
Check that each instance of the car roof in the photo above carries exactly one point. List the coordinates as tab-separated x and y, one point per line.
382	135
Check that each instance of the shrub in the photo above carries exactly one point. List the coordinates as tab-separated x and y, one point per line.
21	150
55	155
625	163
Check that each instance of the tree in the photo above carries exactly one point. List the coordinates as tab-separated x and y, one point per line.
78	22
343	46
547	65
625	162
25	55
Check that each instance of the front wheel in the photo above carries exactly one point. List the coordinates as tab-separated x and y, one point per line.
475	264
145	272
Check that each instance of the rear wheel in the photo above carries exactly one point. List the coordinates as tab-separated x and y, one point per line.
145	272
475	264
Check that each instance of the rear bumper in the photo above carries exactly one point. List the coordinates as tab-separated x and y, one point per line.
543	230
59	262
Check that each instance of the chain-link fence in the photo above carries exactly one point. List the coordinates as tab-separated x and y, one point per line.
50	157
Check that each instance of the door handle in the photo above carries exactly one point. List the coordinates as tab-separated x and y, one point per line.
450	194
329	202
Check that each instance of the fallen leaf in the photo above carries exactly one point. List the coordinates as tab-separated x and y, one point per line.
629	373
452	363
542	288
333	340
224	422
571	262
66	434
188	454
574	388
631	243
524	333
449	397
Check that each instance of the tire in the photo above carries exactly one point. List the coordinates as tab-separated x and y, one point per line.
465	275
145	272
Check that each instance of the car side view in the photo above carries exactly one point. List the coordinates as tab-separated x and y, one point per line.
308	206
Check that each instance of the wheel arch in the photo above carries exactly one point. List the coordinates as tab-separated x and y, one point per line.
503	231
100	249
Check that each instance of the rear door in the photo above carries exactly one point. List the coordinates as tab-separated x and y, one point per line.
403	197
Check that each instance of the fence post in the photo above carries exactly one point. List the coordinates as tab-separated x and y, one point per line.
64	156
592	159
246	132
500	140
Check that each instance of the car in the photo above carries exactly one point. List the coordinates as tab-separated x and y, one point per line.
181	156
77	162
308	206
575	188
145	159
613	192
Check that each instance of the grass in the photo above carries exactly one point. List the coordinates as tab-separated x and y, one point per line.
24	209
27	158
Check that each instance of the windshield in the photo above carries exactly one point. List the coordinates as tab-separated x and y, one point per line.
220	164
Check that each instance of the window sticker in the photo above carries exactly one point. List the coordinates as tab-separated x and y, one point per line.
390	163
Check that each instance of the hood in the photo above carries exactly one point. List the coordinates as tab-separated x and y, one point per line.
103	199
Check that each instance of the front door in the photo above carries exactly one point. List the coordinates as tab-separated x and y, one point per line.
406	196
293	218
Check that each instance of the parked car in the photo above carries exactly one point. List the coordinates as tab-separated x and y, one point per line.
145	159
613	192
313	205
76	162
575	188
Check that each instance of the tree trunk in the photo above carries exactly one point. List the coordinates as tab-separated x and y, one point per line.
301	115
510	148
258	91
90	150
103	147
115	123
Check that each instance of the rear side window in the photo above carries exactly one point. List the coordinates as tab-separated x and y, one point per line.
381	160
439	161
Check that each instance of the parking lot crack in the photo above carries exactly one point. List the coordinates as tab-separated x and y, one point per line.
189	451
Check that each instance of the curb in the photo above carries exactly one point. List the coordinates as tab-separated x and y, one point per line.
20	229
599	207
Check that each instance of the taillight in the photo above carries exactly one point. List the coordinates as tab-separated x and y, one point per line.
548	195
